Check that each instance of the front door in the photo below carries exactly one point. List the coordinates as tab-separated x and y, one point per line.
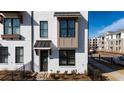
43	60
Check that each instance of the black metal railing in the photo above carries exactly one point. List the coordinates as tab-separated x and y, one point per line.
19	74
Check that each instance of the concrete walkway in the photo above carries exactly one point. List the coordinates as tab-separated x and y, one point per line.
42	76
110	73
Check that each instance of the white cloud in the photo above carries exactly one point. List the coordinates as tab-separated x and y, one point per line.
115	26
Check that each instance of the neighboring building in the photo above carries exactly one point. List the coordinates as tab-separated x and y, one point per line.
115	41
101	43
93	43
112	42
15	39
48	41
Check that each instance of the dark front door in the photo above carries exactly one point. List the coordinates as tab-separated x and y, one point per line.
43	60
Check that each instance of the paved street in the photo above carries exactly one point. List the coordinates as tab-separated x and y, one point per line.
112	71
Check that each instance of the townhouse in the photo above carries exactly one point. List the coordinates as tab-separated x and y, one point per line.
48	41
15	39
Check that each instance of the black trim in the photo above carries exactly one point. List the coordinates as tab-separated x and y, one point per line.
4	54
16	55
66	58
67	28
11	24
44	29
32	41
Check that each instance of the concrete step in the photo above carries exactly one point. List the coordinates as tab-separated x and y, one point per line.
42	76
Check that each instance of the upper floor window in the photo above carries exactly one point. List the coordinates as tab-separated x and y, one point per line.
3	54
111	36
11	26
67	27
43	28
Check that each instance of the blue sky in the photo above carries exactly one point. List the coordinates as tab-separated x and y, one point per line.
103	21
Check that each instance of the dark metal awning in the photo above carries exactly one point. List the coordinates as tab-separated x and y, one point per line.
42	44
67	14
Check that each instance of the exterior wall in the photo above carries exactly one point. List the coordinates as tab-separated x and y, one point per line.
81	57
25	31
112	42
65	42
93	43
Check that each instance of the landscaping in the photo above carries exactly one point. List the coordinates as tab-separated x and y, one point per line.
69	77
31	76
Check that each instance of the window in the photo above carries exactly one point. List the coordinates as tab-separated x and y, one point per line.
118	35
67	27
43	28
111	43
119	42
111	36
116	42
102	38
11	26
67	57
19	54
3	54
116	48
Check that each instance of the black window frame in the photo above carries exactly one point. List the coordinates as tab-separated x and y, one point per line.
12	27
4	54
16	55
67	29
43	29
66	58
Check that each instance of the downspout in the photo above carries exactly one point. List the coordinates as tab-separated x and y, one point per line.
32	40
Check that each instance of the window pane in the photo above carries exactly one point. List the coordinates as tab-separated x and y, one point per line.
16	22
20	59
71	61
21	51
44	29
5	51
63	61
16	30
63	24
19	54
71	24
3	55
44	25
71	54
63	54
63	32
8	30
7	22
17	59
44	33
0	59
71	57
71	32
6	59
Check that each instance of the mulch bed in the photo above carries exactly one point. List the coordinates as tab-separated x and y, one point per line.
69	77
16	76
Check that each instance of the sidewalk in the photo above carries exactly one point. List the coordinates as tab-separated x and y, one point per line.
110	73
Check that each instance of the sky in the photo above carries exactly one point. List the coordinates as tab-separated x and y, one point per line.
103	21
